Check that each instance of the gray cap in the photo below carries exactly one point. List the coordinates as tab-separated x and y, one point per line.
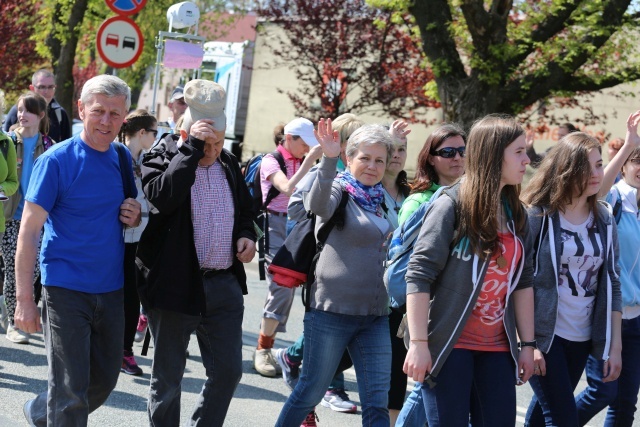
206	100
177	93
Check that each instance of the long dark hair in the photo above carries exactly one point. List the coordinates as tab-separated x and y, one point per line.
479	192
36	104
426	174
563	174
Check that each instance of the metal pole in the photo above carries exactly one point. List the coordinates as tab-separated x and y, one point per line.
156	77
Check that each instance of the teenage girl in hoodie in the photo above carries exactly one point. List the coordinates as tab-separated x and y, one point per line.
621	395
576	285
465	304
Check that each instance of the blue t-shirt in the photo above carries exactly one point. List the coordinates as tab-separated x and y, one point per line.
81	189
26	163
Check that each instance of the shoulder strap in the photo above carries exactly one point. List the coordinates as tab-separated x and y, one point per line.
337	219
273	191
126	171
617	206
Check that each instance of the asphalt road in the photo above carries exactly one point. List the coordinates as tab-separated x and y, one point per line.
257	400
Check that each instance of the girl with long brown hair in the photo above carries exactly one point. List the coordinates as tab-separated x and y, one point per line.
465	304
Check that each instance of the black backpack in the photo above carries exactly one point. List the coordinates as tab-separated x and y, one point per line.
252	179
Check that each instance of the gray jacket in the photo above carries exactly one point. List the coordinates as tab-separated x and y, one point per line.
547	250
350	268
454	278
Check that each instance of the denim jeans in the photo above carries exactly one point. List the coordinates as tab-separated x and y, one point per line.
326	336
621	395
219	334
83	339
477	383
413	413
553	402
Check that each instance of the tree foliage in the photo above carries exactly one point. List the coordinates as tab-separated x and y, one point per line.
17	50
505	56
348	57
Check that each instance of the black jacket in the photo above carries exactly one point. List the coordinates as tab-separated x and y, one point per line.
169	276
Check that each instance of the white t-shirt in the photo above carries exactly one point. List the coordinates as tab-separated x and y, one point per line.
580	261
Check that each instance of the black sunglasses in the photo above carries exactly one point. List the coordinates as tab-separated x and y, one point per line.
154	131
448	152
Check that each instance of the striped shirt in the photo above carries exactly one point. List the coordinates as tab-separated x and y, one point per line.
212	213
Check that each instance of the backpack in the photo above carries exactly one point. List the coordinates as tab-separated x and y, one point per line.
617	207
399	251
252	179
295	262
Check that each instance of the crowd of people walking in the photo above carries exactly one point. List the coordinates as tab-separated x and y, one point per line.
505	284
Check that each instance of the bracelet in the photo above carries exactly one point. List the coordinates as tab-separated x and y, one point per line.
419	340
533	344
327	157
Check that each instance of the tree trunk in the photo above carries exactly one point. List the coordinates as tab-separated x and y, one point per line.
66	59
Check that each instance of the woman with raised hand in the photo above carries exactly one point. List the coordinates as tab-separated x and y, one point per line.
576	283
621	395
465	304
348	298
30	136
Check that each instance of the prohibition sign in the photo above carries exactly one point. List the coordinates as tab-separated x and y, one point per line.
119	42
126	7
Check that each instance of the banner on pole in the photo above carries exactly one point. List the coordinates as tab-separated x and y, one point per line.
182	55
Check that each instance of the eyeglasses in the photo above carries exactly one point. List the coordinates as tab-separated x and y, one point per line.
42	87
635	161
448	152
153	131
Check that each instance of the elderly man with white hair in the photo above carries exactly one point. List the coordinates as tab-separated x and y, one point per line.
78	191
190	259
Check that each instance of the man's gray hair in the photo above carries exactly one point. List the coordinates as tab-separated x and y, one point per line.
108	86
369	135
41	73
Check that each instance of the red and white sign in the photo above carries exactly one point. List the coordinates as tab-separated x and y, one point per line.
119	42
126	7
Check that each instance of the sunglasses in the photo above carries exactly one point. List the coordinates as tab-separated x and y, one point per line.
43	87
153	131
448	152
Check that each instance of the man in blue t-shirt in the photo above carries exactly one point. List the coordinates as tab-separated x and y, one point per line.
76	192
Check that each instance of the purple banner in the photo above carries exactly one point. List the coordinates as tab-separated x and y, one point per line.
182	55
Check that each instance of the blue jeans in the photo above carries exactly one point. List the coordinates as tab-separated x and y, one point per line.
413	413
553	402
219	334
83	338
621	395
477	383
326	336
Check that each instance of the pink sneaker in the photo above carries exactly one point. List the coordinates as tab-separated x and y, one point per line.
129	365
311	419
141	330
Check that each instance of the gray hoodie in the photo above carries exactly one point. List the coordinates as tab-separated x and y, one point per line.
547	250
454	278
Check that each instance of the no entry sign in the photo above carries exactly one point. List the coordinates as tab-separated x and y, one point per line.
119	42
126	7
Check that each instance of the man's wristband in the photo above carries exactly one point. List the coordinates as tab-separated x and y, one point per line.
533	344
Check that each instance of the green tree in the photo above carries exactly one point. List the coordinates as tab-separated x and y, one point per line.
506	56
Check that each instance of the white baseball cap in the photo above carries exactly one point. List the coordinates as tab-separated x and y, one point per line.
206	100
303	128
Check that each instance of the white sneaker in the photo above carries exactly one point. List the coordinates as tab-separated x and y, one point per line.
4	315
16	335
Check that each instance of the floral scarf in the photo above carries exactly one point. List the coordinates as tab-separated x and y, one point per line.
367	197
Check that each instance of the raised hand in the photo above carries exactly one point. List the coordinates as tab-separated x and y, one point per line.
399	130
328	138
632	130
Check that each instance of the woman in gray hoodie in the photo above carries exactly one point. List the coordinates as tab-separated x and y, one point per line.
576	284
464	304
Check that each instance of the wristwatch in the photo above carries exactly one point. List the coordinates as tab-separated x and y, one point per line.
533	344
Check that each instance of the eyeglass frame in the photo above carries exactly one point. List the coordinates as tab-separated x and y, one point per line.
440	153
154	131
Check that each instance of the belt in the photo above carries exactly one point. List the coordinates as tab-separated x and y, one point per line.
276	213
210	272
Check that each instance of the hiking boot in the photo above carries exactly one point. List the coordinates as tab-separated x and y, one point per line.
141	330
264	363
338	400
311	419
4	315
129	365
16	335
290	371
